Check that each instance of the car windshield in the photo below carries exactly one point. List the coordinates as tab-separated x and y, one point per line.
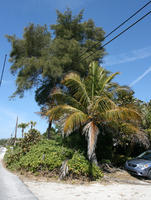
145	156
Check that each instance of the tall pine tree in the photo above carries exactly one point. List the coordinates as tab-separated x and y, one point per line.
42	56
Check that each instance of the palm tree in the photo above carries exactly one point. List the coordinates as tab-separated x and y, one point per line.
32	124
23	126
88	103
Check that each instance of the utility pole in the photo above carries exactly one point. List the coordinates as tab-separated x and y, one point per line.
16	130
3	70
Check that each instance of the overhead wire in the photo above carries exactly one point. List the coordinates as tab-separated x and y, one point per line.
139	10
3	70
118	35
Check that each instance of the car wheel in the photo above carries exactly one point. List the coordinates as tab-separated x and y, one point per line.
149	174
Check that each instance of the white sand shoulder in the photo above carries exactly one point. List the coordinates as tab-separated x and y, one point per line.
114	191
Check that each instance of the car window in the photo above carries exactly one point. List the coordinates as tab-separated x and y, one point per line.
145	155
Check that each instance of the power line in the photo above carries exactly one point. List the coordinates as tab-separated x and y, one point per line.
118	35
3	70
95	45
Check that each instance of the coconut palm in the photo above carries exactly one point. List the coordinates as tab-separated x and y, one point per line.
32	124
88	103
23	126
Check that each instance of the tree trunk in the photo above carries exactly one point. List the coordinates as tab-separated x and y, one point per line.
94	159
48	130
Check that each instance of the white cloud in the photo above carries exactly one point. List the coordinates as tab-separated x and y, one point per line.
128	57
140	77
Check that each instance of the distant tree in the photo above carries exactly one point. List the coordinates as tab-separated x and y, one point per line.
40	59
32	124
3	142
23	126
125	96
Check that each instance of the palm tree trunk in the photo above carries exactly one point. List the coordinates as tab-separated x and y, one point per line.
48	130
94	159
92	131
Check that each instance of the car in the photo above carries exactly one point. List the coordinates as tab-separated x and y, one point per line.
141	165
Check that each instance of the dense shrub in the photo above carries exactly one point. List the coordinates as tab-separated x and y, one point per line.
47	156
80	166
3	142
12	157
32	137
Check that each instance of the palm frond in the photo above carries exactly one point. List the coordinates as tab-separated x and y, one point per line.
95	72
74	121
121	113
131	128
103	103
77	88
63	98
107	81
140	138
96	76
58	111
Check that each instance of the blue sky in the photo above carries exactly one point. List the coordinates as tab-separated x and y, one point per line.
130	54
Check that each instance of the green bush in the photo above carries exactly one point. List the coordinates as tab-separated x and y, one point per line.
47	156
3	142
12	157
32	137
80	166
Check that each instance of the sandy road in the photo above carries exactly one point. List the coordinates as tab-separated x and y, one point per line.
11	187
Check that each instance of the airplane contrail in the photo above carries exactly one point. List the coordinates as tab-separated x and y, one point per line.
140	77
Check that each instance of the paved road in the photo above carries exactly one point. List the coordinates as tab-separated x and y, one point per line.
11	187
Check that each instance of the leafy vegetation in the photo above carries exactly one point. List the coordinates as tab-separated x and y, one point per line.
3	142
12	157
47	156
21	147
79	166
32	137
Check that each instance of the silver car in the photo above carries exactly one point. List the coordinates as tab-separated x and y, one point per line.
141	165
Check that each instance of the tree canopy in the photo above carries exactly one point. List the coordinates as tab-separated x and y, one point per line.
42	56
